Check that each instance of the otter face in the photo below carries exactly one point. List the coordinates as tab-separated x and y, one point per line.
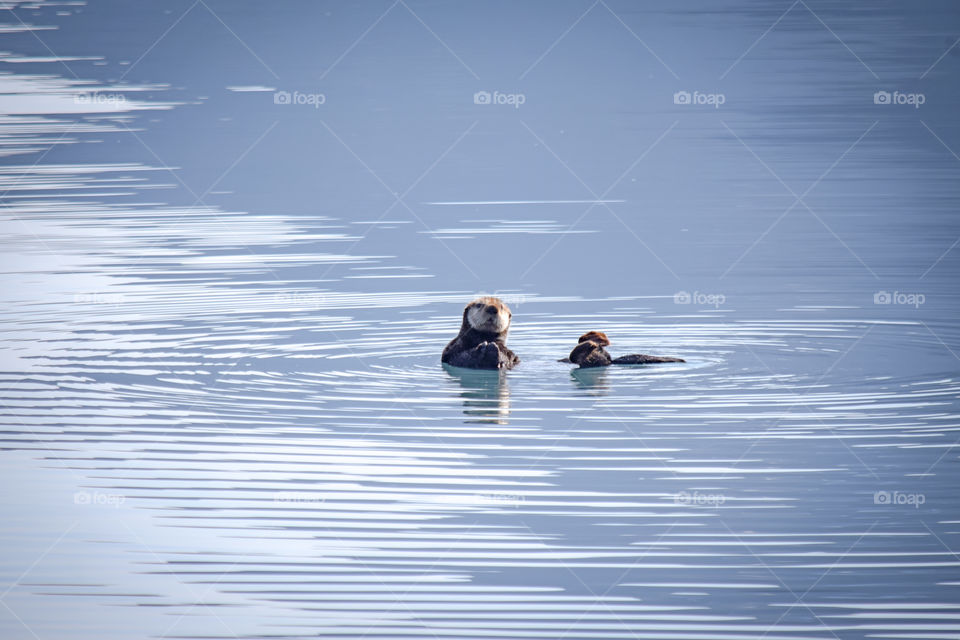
489	315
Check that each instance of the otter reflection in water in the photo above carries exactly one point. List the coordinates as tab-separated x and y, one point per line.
486	396
595	381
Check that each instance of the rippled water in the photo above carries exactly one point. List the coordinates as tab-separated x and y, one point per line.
224	411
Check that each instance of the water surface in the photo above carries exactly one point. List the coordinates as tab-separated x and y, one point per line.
224	412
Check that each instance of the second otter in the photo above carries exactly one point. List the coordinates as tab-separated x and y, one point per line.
590	352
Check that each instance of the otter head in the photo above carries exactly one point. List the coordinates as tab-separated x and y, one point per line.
597	337
487	314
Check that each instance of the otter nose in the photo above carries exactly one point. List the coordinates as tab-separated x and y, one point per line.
492	310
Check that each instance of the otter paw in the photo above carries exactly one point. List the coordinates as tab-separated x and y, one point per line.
488	354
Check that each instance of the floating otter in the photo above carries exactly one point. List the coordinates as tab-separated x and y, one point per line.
482	342
590	352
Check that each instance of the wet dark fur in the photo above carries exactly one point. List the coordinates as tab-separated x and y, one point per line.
475	349
590	352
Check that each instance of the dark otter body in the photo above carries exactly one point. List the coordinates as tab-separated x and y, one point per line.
590	352
482	341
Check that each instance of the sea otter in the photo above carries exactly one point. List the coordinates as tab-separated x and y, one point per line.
482	342
590	352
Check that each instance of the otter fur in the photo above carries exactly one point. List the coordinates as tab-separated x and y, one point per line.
482	341
590	352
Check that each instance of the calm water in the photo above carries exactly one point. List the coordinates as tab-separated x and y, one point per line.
224	413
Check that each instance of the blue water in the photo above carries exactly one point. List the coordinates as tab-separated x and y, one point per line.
237	236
